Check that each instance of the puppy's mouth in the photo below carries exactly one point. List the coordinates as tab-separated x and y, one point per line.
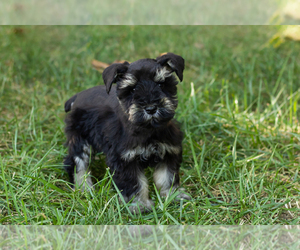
155	120
153	117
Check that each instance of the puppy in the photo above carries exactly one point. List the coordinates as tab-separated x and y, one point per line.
133	125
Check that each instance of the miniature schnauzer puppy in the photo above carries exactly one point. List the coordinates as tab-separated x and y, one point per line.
133	125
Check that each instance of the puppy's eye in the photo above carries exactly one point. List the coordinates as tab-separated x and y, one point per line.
132	90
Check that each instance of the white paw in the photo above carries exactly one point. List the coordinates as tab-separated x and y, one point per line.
87	187
85	184
141	206
182	194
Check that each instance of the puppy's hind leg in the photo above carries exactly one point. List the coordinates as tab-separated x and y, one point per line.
77	164
82	176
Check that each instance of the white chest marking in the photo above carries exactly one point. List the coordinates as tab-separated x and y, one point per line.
145	152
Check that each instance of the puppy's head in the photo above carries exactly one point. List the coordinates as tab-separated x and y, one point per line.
146	89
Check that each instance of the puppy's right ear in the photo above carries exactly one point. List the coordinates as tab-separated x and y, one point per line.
112	73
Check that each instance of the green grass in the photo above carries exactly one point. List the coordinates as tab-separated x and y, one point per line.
238	106
116	12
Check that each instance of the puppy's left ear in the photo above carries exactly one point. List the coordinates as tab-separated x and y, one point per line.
112	73
175	62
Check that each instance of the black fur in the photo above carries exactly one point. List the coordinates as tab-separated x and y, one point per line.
68	104
132	124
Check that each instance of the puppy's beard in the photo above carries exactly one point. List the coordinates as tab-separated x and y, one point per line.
161	117
134	113
138	116
168	105
165	112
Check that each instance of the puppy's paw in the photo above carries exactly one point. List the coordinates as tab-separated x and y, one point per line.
87	187
141	206
84	185
182	195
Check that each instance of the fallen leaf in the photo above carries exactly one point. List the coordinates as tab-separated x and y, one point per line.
99	65
161	54
18	31
121	61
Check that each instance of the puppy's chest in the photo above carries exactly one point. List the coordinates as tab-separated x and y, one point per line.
151	151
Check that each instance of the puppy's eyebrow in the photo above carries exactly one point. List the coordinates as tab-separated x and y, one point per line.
128	80
161	74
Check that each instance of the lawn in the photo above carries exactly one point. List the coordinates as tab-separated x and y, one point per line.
238	108
132	12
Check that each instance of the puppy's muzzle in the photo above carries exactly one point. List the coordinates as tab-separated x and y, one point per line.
151	110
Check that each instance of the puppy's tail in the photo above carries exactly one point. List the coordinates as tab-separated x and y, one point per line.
69	103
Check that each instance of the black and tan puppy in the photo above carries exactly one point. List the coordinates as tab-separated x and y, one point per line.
132	124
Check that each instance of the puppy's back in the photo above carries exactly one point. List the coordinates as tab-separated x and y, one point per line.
93	97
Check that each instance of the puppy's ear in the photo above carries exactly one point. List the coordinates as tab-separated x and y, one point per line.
112	73
175	62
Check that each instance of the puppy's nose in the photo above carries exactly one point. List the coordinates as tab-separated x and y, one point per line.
151	109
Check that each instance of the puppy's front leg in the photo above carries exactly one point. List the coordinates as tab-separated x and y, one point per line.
132	183
166	179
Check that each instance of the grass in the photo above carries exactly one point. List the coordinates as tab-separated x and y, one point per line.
238	106
116	12
159	237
